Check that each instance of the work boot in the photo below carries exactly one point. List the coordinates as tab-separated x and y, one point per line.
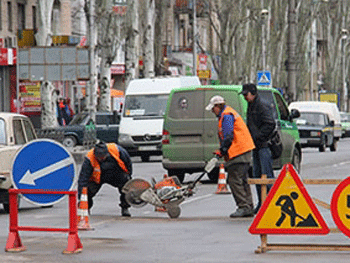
242	212
125	212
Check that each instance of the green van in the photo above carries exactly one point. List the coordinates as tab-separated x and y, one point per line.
190	132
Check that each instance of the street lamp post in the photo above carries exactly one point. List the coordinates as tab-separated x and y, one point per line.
344	36
194	29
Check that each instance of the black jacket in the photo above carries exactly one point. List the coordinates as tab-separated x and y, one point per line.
260	122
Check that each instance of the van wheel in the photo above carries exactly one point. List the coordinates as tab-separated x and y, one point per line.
214	175
334	145
296	160
178	173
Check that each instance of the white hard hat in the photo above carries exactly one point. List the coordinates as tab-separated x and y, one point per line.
215	100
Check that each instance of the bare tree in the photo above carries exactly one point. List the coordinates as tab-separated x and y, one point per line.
160	30
43	38
110	28
132	32
148	40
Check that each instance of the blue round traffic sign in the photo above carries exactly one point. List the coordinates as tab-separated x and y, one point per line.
46	165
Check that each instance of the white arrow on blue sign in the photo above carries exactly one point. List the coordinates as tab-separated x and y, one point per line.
46	165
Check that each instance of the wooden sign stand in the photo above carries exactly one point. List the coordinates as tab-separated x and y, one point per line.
265	246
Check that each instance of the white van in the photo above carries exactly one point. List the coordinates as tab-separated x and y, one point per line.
141	124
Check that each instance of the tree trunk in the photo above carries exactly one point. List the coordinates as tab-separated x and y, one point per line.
148	59
43	36
105	84
48	105
132	32
160	30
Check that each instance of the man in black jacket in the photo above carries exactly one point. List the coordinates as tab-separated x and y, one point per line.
105	163
261	124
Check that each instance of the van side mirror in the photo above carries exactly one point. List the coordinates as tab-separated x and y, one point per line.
331	123
294	113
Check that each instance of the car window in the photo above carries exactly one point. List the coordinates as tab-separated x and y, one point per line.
283	109
29	130
104	119
18	132
345	117
312	119
187	105
2	132
80	119
266	95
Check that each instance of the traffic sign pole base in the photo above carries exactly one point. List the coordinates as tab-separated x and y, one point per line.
14	243
74	244
302	247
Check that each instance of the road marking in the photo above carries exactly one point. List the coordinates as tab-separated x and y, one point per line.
197	198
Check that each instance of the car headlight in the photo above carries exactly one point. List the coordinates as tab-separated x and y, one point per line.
124	137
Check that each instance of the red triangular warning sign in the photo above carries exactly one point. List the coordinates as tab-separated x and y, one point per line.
288	209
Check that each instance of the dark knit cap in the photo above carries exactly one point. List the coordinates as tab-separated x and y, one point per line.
100	149
249	88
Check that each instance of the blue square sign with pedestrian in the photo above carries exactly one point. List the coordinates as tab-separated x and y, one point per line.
264	78
44	164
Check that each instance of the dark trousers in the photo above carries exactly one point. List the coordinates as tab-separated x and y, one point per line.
237	179
93	189
262	164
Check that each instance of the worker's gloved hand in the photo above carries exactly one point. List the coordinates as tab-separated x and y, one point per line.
211	164
218	153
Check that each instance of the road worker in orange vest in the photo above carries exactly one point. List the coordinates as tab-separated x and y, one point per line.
106	163
236	147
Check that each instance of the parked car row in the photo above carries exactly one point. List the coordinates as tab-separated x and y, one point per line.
319	124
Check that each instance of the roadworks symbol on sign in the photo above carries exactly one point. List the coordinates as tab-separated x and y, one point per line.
288	209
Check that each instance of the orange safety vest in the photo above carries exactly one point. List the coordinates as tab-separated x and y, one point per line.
113	150
242	140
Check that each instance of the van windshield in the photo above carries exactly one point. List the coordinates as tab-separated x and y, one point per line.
145	105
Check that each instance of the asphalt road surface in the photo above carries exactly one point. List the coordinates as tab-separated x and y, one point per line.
203	232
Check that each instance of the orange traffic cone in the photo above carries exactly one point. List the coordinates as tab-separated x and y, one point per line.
222	186
83	214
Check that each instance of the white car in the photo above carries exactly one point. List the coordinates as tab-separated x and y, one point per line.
15	131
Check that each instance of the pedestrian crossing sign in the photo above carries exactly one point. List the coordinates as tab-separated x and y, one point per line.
264	78
288	209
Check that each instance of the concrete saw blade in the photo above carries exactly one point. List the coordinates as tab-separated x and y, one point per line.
133	190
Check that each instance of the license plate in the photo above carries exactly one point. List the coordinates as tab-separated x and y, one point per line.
303	141
148	148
